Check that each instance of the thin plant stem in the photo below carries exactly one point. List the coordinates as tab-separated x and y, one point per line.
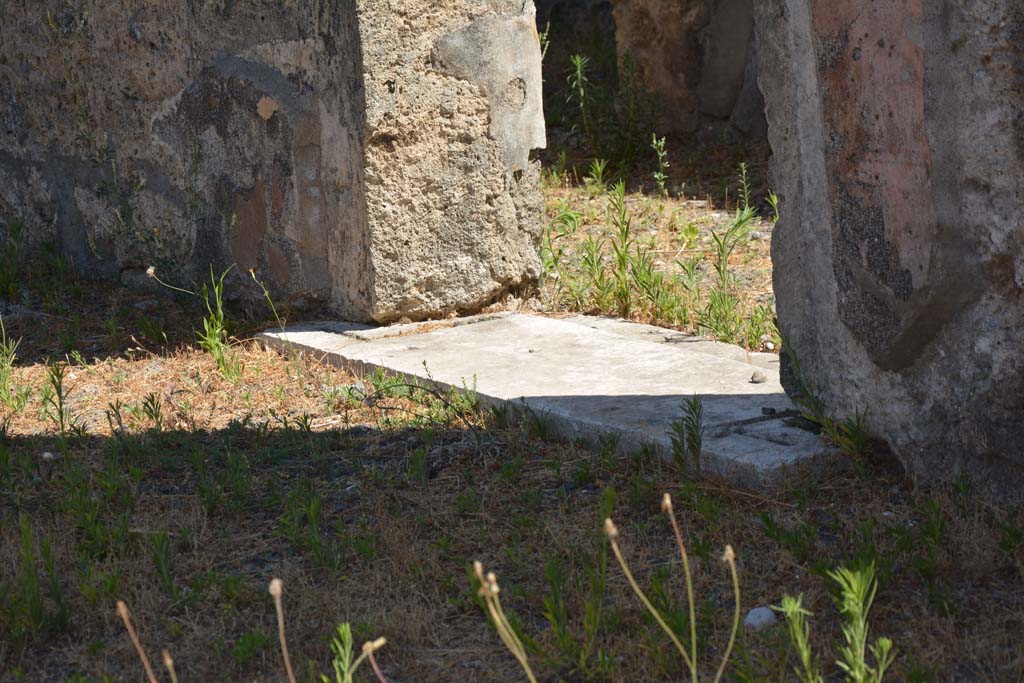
368	649
489	590
730	558
151	273
270	301
122	609
169	665
666	505
275	590
376	669
520	650
612	532
509	637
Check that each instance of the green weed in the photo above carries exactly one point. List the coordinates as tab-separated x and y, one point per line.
301	522
1011	535
623	243
792	610
596	182
152	408
688	435
800	540
688	235
270	301
660	175
160	545
725	243
35	605
621	275
579	85
744	187
775	203
55	401
344	663
214	339
15	398
250	645
856	593
851	436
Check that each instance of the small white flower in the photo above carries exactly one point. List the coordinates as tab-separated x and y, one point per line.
48	456
610	529
151	272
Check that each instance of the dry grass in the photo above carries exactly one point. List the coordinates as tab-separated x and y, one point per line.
412	490
407	504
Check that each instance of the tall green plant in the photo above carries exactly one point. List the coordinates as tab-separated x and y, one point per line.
775	203
596	181
799	631
32	607
13	397
55	400
579	87
744	186
688	434
343	663
856	593
660	175
857	590
622	245
214	337
727	241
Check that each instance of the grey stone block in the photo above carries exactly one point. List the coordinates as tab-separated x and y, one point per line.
899	259
372	155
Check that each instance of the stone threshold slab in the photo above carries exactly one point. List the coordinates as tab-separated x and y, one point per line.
590	377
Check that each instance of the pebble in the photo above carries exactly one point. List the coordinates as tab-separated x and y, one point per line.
758	377
759	619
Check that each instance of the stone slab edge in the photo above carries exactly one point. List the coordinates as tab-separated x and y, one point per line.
569	428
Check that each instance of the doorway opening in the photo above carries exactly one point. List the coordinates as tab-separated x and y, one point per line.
658	203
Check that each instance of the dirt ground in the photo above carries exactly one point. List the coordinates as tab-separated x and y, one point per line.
183	494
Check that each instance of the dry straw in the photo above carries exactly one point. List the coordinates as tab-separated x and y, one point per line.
729	557
276	588
489	591
122	609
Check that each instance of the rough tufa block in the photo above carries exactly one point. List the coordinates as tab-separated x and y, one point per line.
374	155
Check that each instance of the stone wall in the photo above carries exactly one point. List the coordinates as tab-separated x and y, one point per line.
364	152
899	260
698	56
